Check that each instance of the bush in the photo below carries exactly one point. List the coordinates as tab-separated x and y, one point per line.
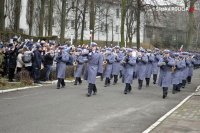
25	78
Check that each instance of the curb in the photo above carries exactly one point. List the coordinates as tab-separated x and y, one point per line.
153	126
28	87
17	89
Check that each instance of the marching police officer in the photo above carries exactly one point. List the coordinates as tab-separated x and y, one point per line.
116	65
94	64
62	59
149	66
110	59
128	62
142	60
79	62
166	63
155	68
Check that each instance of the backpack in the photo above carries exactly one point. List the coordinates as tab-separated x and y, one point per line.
27	58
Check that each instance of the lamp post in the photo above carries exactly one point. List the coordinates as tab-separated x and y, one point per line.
71	39
91	31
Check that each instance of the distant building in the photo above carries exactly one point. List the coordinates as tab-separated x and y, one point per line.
170	27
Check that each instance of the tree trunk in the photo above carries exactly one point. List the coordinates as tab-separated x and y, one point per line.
191	25
50	19
31	10
17	11
123	16
138	24
2	18
76	23
63	22
92	17
41	23
106	27
112	31
83	20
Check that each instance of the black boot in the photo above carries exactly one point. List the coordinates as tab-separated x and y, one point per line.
76	80
154	78
165	92
126	88
189	79
115	79
90	88
140	84
58	83
130	88
147	81
183	83
179	87
94	89
106	82
101	77
63	83
79	80
120	74
174	89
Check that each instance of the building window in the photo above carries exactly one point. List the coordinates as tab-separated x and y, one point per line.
117	13
117	29
72	24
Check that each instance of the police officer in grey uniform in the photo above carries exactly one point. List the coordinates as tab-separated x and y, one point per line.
94	64
128	62
165	63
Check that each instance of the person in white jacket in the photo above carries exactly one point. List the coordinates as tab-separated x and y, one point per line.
20	63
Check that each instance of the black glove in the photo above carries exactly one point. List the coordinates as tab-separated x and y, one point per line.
127	59
99	74
107	61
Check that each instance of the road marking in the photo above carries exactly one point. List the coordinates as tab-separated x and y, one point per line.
153	126
91	125
23	88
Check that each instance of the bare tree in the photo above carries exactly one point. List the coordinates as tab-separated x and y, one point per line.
123	16
92	17
191	23
50	17
63	21
17	11
83	20
2	15
130	20
29	15
41	20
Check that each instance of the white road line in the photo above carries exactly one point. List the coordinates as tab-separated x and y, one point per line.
169	113
91	125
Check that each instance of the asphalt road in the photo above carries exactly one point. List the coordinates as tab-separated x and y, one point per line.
68	110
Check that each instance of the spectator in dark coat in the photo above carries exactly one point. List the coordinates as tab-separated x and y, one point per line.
48	62
12	57
37	62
